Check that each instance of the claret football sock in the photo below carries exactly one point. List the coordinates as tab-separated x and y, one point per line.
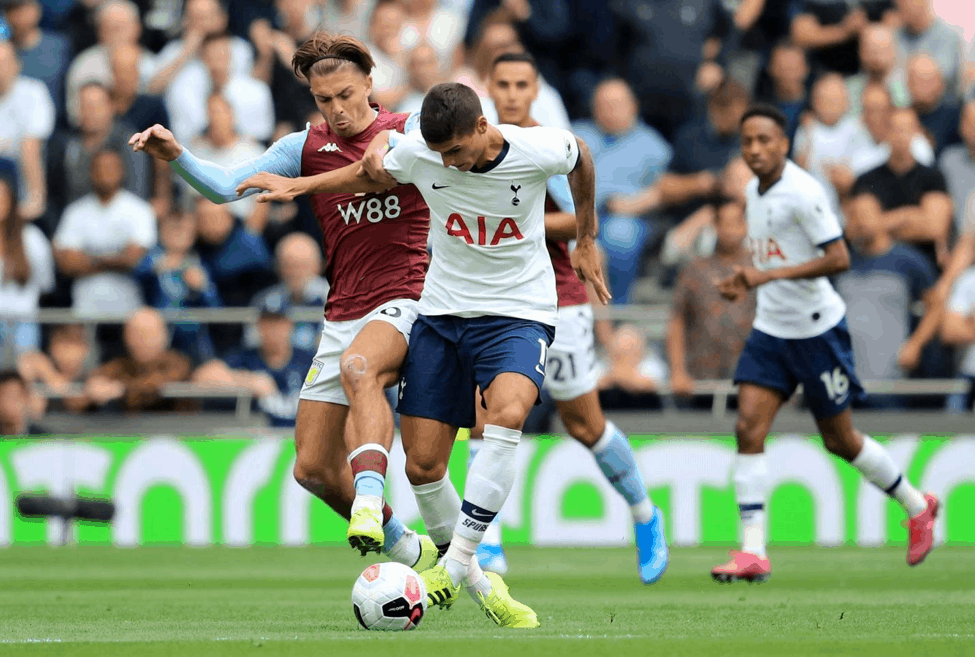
369	469
615	458
875	464
751	487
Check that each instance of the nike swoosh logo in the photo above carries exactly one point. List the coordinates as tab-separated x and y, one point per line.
474	513
435	186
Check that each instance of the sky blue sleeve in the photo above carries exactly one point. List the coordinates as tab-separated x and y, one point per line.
219	184
561	193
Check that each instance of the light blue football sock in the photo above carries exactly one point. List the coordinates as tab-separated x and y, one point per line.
616	460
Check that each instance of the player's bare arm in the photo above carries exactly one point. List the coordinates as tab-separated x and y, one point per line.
835	259
560	226
585	257
280	189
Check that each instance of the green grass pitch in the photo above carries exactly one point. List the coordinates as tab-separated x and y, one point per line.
295	601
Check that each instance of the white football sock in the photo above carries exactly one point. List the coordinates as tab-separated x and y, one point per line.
751	488
439	506
477	581
875	464
489	480
492	535
406	550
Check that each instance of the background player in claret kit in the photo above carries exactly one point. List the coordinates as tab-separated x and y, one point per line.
487	312
570	372
799	336
375	249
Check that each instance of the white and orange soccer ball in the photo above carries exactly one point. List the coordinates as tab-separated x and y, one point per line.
389	596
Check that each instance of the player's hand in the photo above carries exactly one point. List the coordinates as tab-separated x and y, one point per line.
909	356
276	188
585	261
158	142
750	277
730	288
371	164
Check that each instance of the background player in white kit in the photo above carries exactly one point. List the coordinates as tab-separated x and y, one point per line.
570	372
487	312
800	336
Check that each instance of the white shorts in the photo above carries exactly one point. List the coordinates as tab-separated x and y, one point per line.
322	382
570	370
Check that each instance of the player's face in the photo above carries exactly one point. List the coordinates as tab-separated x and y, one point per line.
514	87
342	97
463	151
763	145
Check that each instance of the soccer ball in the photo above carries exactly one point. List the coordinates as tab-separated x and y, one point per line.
389	596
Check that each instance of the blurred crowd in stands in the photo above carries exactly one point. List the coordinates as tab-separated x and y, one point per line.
880	95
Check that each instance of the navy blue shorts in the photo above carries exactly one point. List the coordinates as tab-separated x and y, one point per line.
822	364
450	356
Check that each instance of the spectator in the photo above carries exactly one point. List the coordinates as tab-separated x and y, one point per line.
958	329
71	155
911	199
249	97
275	371
136	381
824	140
272	66
172	277
884	282
662	46
702	148
139	111
426	21
922	31
706	332
878	64
388	76
630	377
43	55
629	156
236	257
102	237
498	38
64	370
957	163
343	16
26	271
223	145
830	28
299	265
178	65
788	70
14	405
755	28
118	26
423	73
26	122
939	114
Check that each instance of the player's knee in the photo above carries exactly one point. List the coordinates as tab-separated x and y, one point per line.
750	430
510	415
355	373
424	469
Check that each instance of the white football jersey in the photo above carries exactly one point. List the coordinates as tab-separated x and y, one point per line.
487	226
787	225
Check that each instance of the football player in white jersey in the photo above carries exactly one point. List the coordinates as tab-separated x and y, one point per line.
571	368
800	336
487	313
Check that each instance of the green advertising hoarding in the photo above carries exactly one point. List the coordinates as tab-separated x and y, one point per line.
202	491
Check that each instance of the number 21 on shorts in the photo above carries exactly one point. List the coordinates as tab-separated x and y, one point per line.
836	382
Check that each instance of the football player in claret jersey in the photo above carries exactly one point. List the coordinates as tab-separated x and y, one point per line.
375	250
487	313
570	370
800	336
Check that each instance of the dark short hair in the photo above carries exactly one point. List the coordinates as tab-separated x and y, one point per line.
523	57
769	112
325	53
449	110
6	376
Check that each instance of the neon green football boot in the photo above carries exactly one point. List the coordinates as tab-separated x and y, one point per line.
429	554
441	590
504	610
366	530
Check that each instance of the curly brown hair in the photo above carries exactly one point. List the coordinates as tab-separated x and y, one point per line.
324	53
